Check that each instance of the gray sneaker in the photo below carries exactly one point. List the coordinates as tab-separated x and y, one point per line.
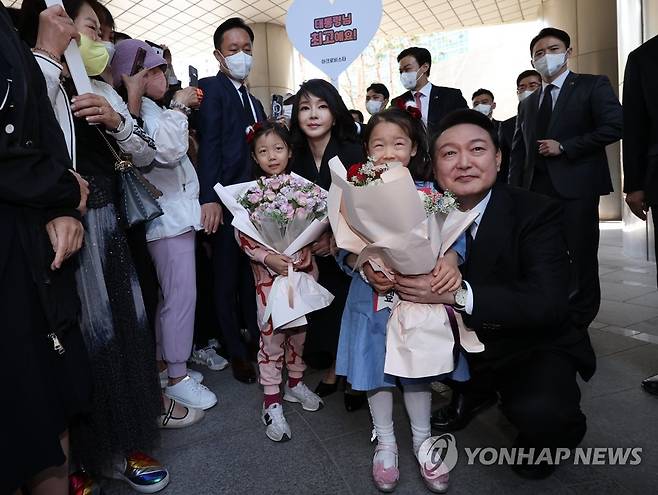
303	395
277	427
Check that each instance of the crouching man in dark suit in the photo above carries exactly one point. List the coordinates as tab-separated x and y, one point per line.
514	296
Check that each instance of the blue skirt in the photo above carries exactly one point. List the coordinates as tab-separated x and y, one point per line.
362	344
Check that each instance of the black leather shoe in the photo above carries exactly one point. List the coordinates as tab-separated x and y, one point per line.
460	411
325	389
354	400
243	370
650	385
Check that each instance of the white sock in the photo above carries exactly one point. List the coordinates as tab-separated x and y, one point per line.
418	401
381	409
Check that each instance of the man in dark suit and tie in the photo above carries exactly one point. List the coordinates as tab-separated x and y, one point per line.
559	150
433	101
227	110
514	296
527	83
640	144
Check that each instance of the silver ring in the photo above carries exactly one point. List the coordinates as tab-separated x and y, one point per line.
100	110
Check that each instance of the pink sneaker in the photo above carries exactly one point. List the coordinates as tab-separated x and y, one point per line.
435	479
385	479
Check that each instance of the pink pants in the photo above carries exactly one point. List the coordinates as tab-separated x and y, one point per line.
275	349
174	262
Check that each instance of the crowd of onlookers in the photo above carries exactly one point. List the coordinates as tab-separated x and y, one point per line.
102	317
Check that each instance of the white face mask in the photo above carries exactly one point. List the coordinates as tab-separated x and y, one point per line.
483	108
239	65
109	46
374	106
409	80
550	64
525	94
287	111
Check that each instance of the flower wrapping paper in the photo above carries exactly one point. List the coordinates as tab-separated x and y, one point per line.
297	294
386	224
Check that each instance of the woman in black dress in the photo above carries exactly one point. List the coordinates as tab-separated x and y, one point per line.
47	384
323	128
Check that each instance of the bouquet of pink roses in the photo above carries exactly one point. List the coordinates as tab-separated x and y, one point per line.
283	206
284	213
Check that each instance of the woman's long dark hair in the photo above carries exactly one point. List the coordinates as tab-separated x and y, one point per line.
30	10
419	165
344	128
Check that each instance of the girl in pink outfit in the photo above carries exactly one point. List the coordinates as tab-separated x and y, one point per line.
270	147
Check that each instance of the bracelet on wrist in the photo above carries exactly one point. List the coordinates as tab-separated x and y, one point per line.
48	53
176	105
121	126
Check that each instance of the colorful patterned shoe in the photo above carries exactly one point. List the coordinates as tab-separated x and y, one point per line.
143	473
385	479
80	483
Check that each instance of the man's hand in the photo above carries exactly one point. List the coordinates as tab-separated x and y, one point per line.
446	274
56	30
549	147
66	235
278	263
322	247
418	288
84	192
211	217
635	201
377	280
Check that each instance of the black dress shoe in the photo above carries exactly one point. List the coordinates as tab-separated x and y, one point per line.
243	370
650	385
354	400
538	471
324	389
462	408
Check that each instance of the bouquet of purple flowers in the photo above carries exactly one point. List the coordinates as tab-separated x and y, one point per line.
283	206
284	213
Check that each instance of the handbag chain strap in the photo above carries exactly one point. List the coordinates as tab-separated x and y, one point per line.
121	164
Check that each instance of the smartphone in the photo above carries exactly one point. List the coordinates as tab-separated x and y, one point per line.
277	106
194	76
138	63
156	48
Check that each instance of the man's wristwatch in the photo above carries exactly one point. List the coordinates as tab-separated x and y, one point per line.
461	296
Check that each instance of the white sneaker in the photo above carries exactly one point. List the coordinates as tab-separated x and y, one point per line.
191	393
208	356
302	394
194	375
277	427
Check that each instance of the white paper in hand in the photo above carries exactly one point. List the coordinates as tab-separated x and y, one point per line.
74	61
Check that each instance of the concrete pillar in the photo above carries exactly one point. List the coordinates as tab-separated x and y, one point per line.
637	21
592	25
272	71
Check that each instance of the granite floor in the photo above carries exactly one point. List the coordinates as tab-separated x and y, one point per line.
330	452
